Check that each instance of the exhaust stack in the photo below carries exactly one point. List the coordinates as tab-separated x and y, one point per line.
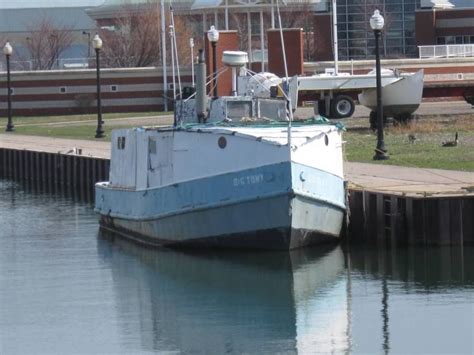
201	97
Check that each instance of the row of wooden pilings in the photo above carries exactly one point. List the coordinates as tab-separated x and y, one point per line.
392	220
375	217
54	172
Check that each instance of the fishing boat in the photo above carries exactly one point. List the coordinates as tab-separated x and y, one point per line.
233	171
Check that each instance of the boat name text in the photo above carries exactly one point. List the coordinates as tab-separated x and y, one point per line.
248	180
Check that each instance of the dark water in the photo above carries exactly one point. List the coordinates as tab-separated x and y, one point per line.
65	288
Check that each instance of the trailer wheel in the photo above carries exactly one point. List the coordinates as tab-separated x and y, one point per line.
342	106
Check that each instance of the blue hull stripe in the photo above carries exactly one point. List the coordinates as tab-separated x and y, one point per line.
226	189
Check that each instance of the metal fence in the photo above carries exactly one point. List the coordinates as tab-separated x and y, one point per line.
446	51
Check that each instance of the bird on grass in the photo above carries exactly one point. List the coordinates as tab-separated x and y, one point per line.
453	143
411	138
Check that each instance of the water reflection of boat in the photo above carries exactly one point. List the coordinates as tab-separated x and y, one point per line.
228	301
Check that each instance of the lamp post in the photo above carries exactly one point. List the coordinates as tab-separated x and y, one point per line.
191	45
7	50
377	23
97	42
213	37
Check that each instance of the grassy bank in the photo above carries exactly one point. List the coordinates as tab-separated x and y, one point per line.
425	151
84	126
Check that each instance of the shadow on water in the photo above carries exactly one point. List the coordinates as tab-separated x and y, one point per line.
216	302
421	269
413	299
36	188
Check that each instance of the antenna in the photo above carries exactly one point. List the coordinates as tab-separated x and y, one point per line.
334	36
285	83
163	55
175	51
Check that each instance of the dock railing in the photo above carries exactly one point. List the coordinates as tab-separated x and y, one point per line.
446	51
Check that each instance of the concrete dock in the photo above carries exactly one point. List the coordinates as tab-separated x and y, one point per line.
388	204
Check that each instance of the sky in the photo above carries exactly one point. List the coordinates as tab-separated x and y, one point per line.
18	4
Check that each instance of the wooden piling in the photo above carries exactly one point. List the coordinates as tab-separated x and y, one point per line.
392	220
50	171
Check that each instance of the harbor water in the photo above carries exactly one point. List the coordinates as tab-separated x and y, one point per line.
66	287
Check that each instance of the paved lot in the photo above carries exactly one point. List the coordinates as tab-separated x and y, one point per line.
426	110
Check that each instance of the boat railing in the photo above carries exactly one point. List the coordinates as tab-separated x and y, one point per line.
446	51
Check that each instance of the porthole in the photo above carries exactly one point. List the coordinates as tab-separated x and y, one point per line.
222	142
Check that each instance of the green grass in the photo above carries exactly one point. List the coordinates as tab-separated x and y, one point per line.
426	152
72	118
72	127
73	132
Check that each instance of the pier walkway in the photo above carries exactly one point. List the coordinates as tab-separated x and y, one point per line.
374	177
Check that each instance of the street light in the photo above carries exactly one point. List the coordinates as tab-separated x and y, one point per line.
377	23
8	50
191	44
97	43
213	37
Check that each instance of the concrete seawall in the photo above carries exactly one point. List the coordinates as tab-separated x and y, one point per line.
54	171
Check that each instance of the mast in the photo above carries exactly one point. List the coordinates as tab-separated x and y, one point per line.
285	83
163	56
334	36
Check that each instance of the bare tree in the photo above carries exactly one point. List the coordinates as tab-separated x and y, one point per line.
134	39
46	42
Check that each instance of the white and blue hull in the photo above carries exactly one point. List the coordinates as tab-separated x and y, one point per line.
284	205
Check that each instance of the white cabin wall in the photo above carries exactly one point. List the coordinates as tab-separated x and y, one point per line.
198	155
160	164
123	161
142	159
320	156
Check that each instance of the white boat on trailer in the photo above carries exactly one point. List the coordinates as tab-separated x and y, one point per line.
233	172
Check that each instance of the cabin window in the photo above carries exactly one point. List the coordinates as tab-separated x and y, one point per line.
326	139
121	143
151	146
62	90
239	109
113	88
